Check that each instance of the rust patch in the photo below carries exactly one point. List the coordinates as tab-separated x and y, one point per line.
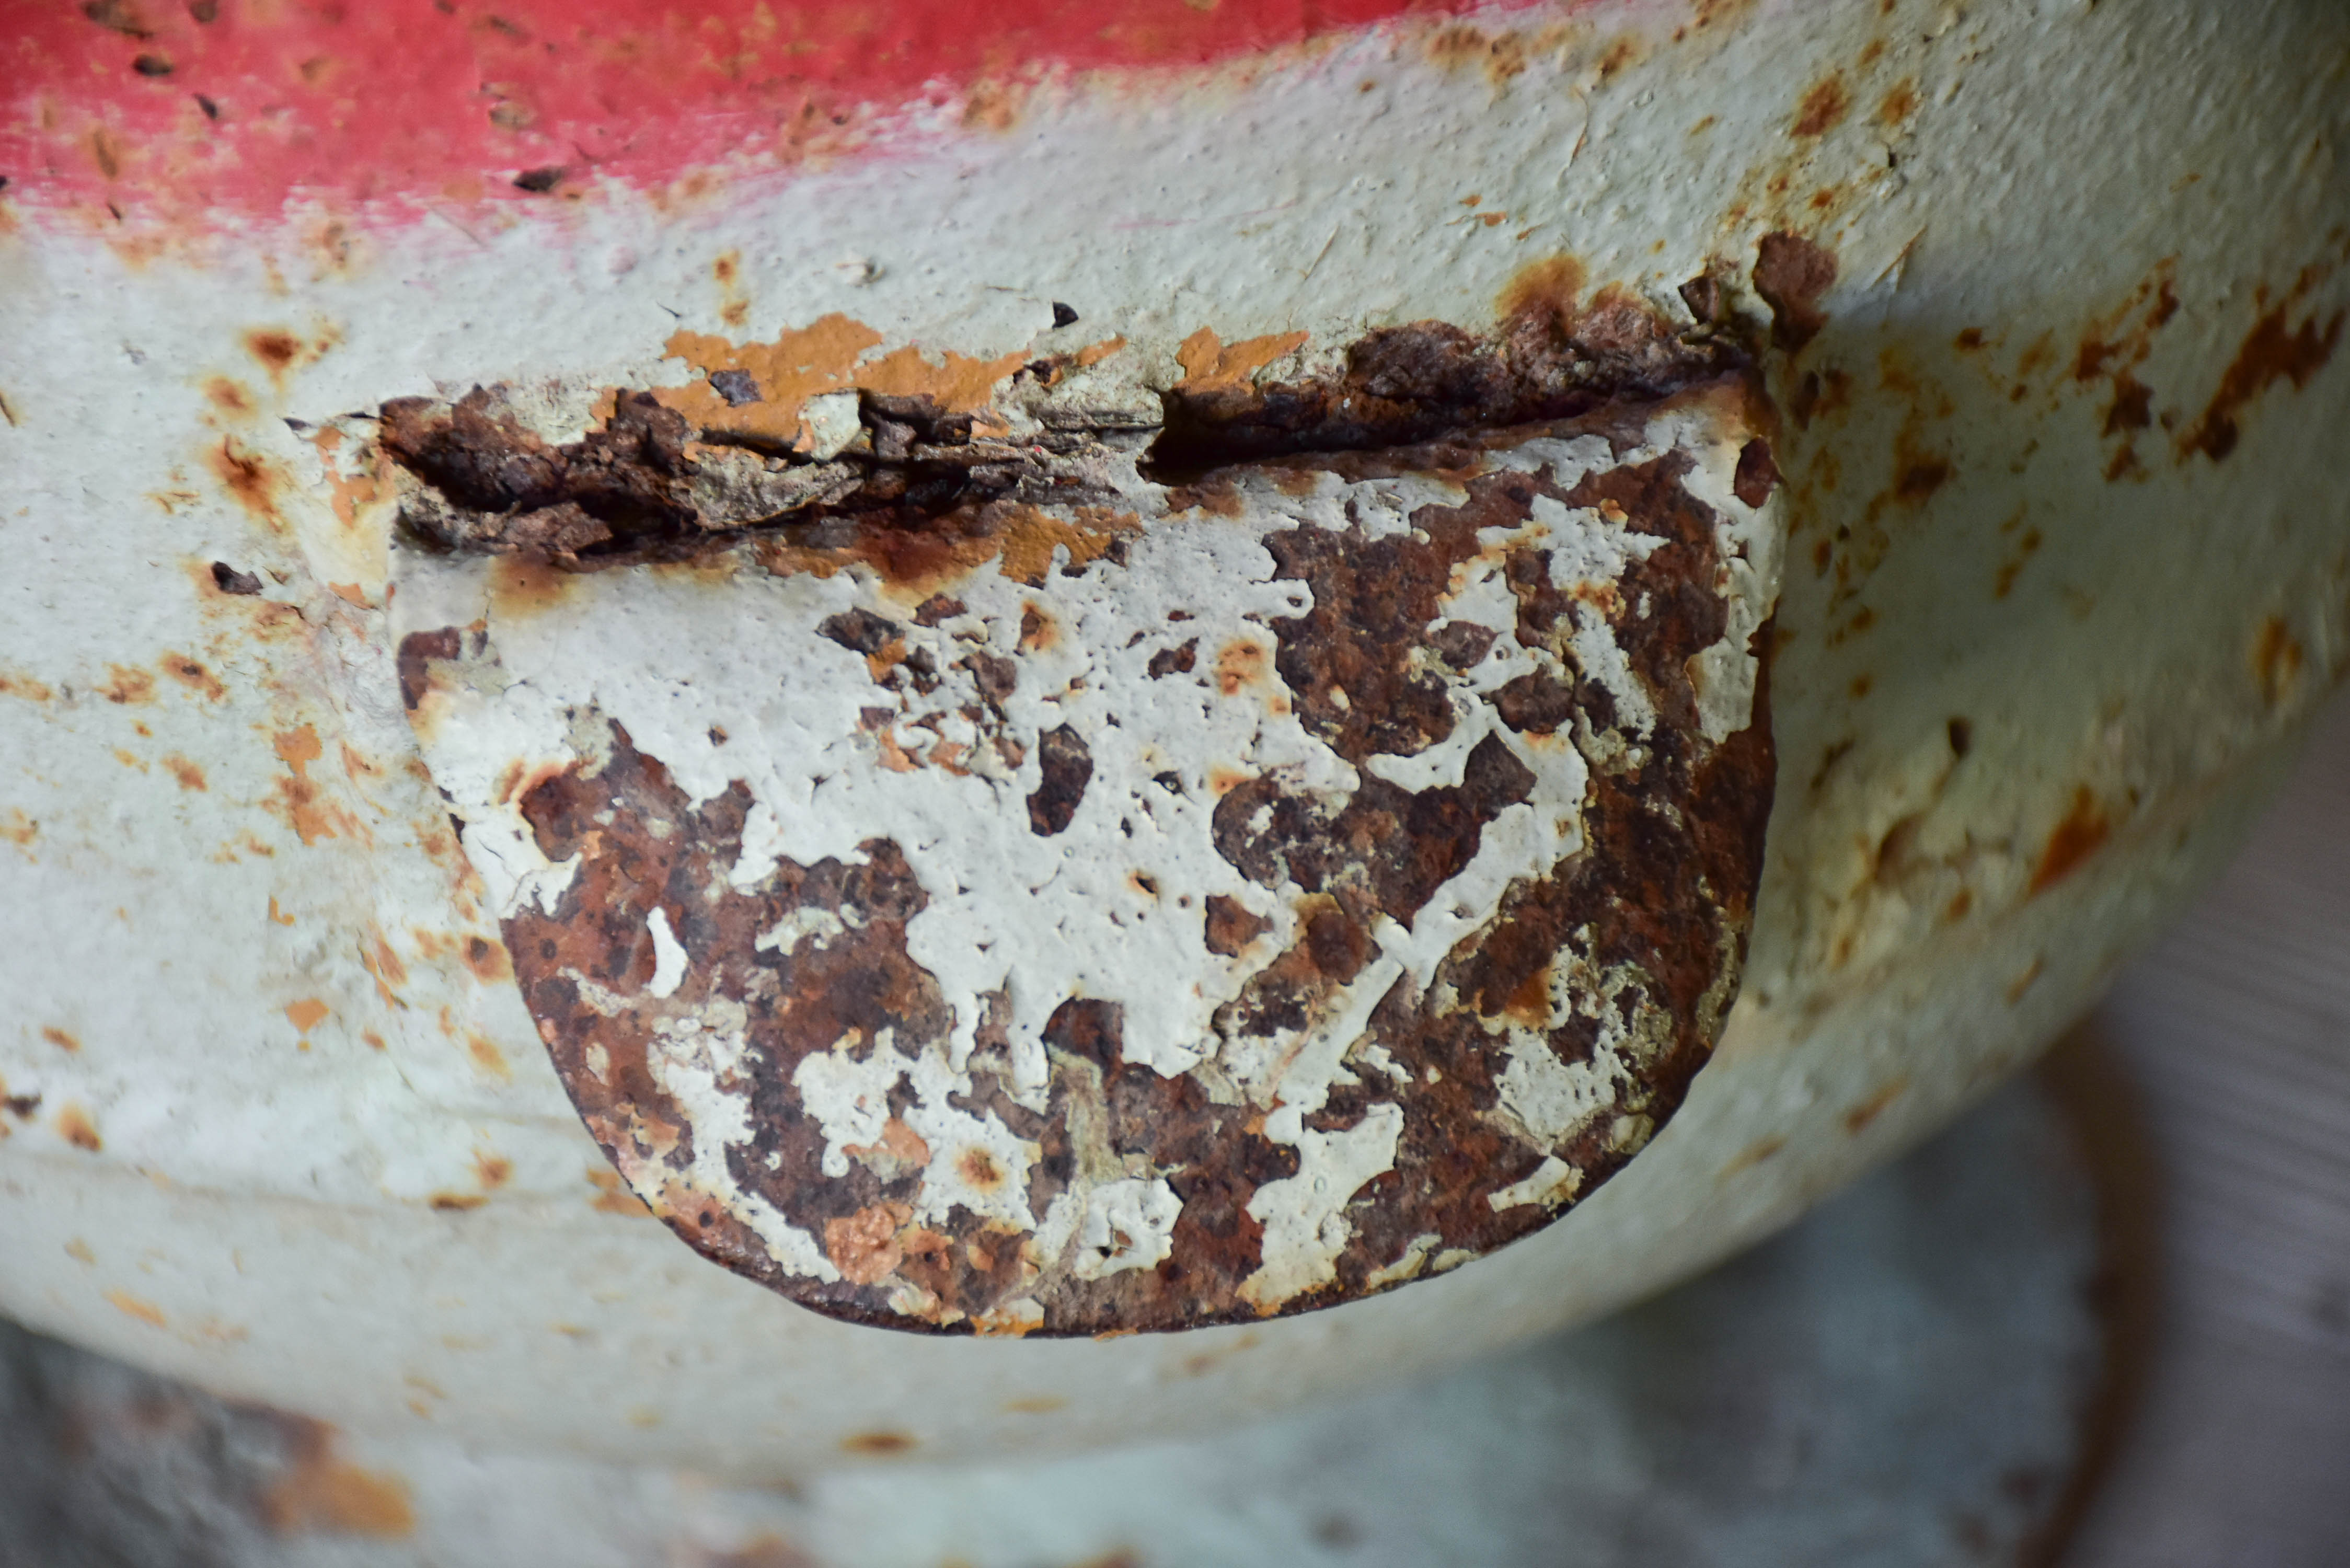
322	1493
878	1444
2269	353
487	1057
2276	660
251	480
306	1014
613	1197
1554	356
74	1127
125	685
276	350
1856	1120
1823	109
59	1038
488	960
1791	273
230	397
25	688
2080	835
1210	365
194	676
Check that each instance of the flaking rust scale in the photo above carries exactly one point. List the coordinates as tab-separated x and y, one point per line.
1081	897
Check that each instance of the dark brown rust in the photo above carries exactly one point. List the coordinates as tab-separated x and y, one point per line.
650	484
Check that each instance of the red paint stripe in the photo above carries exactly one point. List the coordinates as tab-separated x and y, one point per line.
367	102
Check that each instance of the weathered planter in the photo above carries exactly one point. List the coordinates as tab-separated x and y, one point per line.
787	633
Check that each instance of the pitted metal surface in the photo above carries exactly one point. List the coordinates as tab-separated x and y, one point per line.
1182	905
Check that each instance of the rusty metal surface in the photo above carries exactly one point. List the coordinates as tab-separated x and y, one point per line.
1231	897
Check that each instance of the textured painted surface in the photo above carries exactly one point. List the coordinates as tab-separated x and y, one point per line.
2038	654
1896	1383
1330	874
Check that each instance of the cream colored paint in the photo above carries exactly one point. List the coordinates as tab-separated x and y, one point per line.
272	1202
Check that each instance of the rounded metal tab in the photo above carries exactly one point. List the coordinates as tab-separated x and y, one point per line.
1142	879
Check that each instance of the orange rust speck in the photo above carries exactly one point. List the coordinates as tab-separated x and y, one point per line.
487	1057
1752	1155
456	1202
2276	659
321	1493
1869	1109
229	397
189	775
128	685
1240	664
373	1040
194	676
2082	832
612	1197
2026	546
1899	105
1823	107
979	1168
307	1013
487	958
59	1038
130	1305
2023	982
24	686
275	348
1036	1404
493	1171
2269	354
74	1126
249	478
877	1443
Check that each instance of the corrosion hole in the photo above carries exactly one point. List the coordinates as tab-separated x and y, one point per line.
1064	315
537	182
